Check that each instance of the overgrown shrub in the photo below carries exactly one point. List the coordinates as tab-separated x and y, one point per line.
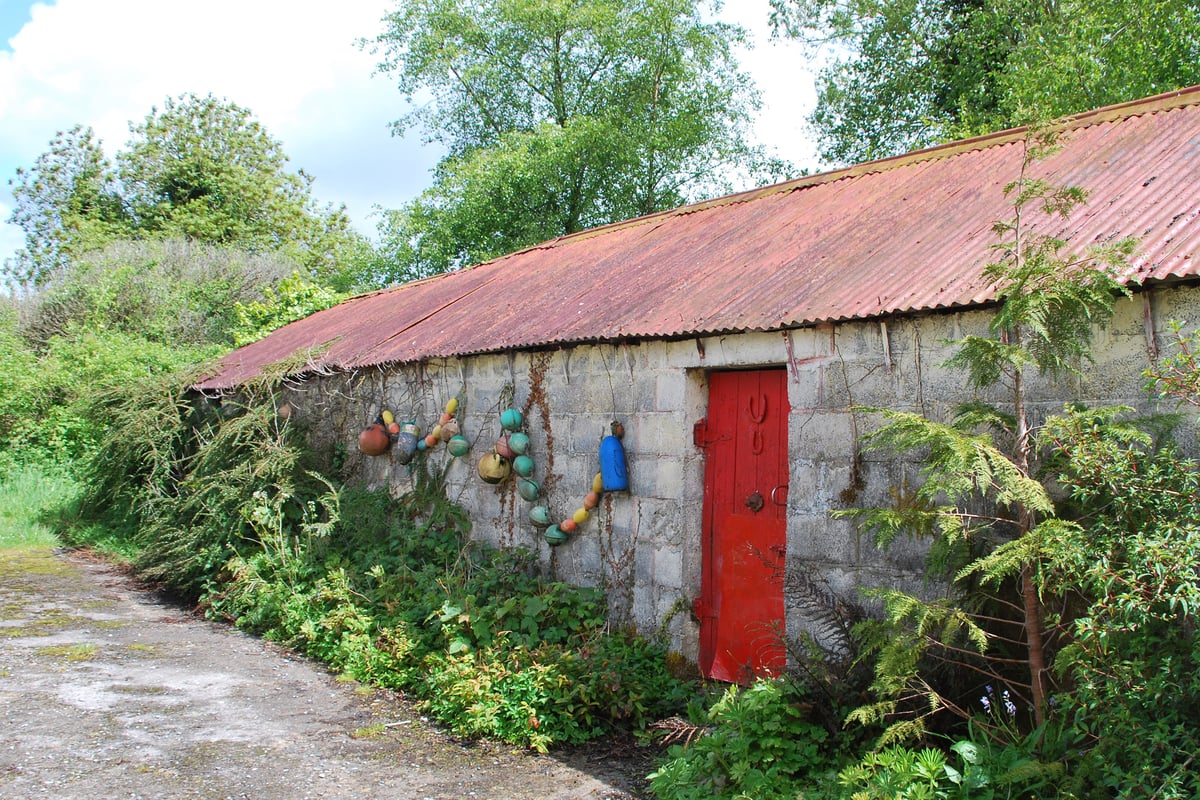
174	292
45	396
1134	654
227	507
756	742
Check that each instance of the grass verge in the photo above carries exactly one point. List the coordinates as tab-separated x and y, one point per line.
27	495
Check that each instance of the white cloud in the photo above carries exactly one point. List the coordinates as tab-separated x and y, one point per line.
294	63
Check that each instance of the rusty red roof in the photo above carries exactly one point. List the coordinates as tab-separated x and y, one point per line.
901	235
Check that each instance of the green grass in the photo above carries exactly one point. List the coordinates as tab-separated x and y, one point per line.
26	493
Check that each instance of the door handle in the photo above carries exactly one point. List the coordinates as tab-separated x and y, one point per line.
775	492
754	502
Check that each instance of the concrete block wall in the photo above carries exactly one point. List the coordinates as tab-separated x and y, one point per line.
644	546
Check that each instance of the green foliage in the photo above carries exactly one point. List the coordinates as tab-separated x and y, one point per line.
959	467
67	203
969	772
1134	653
180	474
291	299
757	742
18	363
914	73
171	292
205	169
201	169
44	398
560	116
225	507
28	494
1178	375
992	521
1050	301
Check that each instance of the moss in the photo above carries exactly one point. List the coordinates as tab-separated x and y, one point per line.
369	731
69	652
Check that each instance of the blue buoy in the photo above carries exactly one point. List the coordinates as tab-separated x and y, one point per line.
613	473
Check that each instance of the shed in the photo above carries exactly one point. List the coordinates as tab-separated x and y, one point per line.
732	339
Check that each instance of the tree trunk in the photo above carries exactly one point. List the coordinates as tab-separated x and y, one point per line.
1031	603
1033	640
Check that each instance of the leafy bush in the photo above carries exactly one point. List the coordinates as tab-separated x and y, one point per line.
979	768
1134	652
757	743
28	494
291	299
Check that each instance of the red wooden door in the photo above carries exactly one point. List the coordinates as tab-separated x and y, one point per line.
745	525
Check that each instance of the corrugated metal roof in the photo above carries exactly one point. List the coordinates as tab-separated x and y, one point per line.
901	235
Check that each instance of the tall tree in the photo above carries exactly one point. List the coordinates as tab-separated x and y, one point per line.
66	203
980	499
200	168
558	115
916	72
205	169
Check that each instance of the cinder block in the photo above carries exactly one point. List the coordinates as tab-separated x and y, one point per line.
668	568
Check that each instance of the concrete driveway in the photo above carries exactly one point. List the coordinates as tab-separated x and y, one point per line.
108	691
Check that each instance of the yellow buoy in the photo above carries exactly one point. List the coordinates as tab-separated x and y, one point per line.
581	516
598	483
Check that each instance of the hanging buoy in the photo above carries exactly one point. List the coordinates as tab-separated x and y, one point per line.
529	489
554	535
523	466
458	445
406	441
539	516
511	419
504	448
493	468
613	474
374	440
518	442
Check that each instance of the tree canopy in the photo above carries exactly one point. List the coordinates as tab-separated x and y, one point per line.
66	203
200	168
560	115
917	72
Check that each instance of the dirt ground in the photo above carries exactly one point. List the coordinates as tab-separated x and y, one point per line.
109	691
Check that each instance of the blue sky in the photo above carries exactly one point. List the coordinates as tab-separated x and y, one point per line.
13	16
294	63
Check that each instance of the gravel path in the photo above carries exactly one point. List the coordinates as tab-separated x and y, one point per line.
108	691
